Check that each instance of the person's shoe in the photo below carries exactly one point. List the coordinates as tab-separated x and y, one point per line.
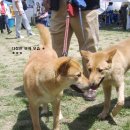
9	32
31	34
90	95
2	31
19	37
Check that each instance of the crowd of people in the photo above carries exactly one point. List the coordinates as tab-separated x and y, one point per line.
108	17
19	8
119	17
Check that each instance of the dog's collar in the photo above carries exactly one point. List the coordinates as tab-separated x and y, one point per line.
101	81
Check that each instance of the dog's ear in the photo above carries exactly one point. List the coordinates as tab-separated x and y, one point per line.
86	54
63	65
110	55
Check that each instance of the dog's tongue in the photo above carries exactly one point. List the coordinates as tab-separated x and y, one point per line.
90	95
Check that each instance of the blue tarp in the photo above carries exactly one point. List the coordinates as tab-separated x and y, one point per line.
9	0
8	3
80	3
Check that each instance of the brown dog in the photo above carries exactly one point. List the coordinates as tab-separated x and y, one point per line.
46	75
108	67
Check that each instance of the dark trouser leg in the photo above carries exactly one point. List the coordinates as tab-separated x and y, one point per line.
6	23
2	23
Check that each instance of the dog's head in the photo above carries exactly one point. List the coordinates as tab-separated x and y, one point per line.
98	65
69	72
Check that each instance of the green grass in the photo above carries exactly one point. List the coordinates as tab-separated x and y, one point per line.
78	113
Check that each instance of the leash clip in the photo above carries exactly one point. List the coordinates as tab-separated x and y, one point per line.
64	54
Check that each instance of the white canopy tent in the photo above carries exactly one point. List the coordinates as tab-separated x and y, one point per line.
118	0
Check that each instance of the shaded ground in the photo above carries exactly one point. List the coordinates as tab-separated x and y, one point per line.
78	114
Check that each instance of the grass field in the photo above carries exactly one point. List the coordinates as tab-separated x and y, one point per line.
78	113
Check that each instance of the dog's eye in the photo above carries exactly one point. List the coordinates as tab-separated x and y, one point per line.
89	69
78	75
100	70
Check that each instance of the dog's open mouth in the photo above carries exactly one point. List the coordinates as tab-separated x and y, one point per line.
94	87
77	88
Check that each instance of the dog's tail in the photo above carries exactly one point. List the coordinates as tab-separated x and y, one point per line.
46	41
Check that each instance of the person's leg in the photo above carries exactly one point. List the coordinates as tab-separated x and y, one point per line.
124	17
93	40
2	24
91	32
7	25
26	24
18	24
57	28
22	26
44	21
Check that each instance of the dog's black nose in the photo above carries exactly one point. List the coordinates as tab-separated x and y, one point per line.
92	84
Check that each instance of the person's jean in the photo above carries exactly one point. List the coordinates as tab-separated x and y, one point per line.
42	21
19	20
4	21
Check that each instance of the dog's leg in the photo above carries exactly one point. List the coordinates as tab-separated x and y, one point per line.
107	96
121	98
34	111
56	114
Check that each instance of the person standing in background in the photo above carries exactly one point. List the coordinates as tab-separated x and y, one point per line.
21	16
24	5
4	17
43	16
123	14
90	27
24	8
38	9
110	7
128	17
109	13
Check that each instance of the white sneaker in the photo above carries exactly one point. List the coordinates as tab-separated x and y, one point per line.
21	37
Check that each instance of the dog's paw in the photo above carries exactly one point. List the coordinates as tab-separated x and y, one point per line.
102	115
